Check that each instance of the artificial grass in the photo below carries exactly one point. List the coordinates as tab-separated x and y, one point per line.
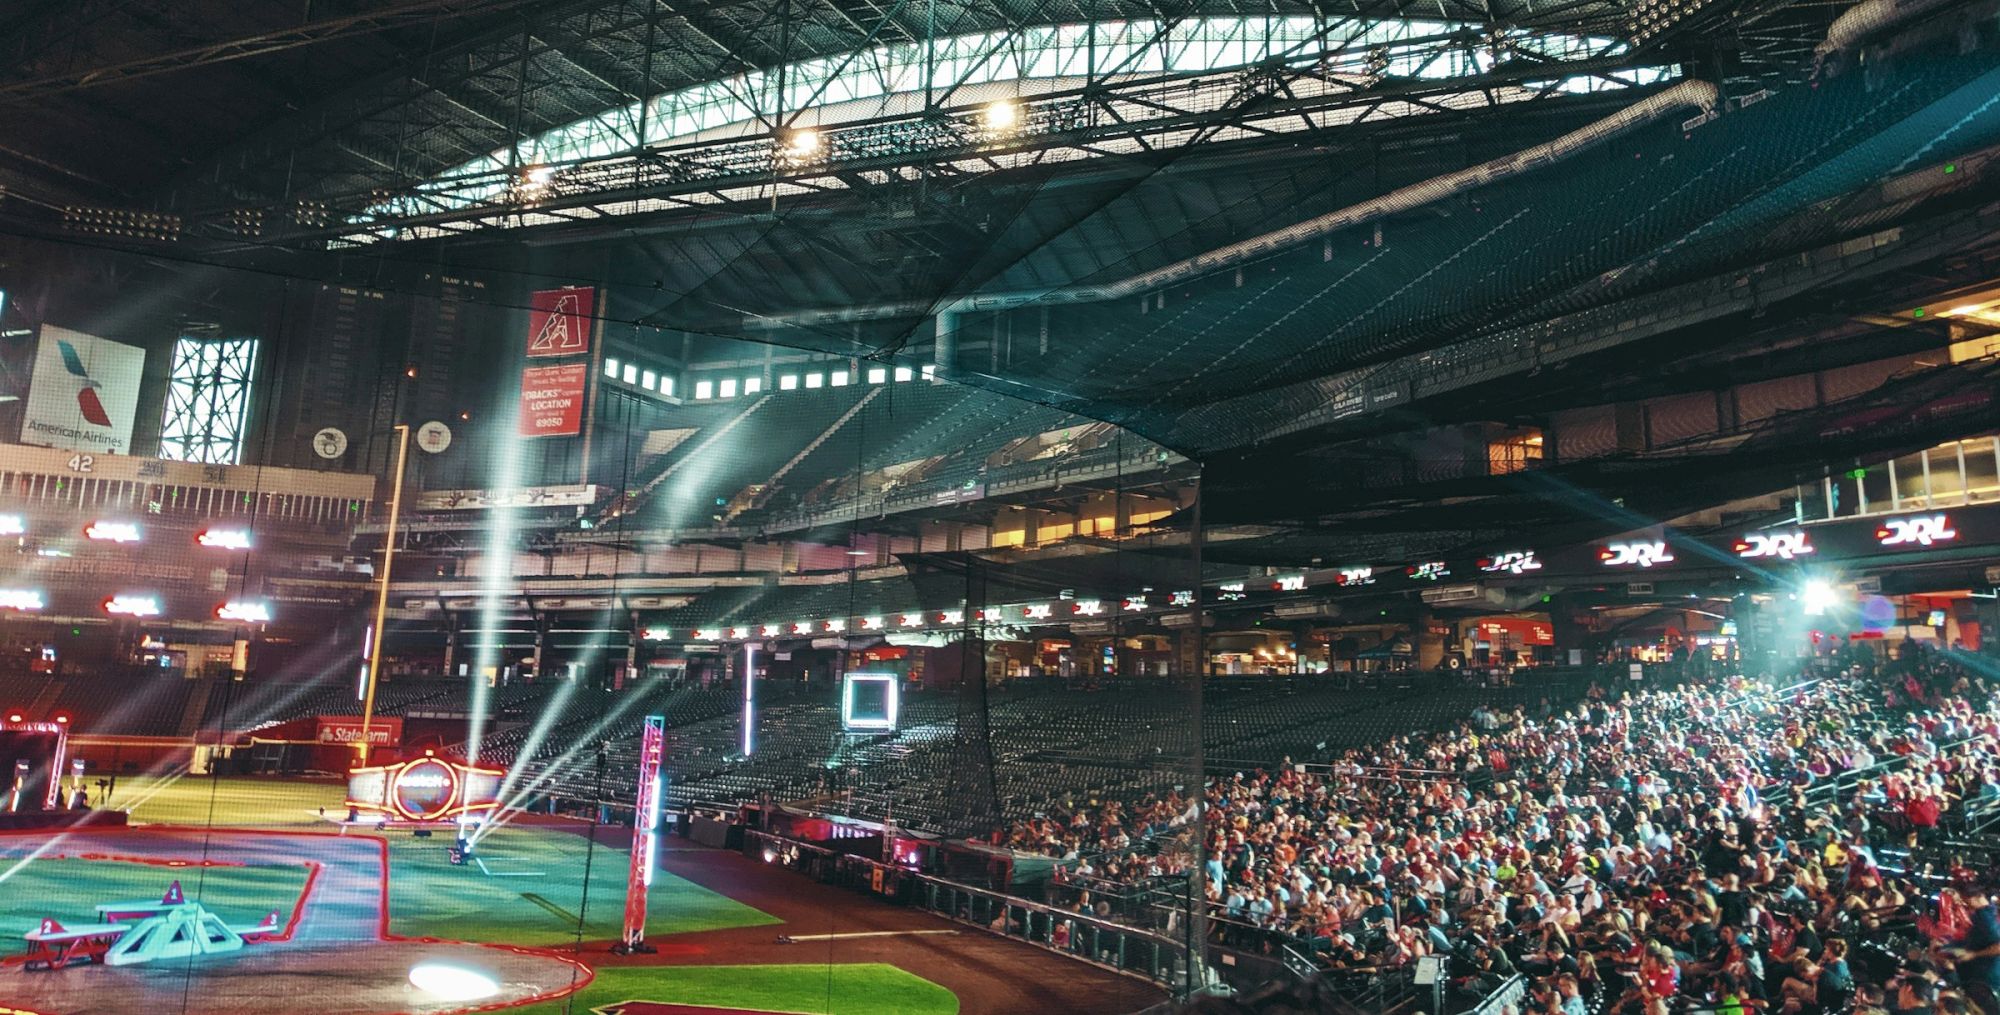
428	897
69	889
229	801
865	988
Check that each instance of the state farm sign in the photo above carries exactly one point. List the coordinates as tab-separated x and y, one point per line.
552	400
383	731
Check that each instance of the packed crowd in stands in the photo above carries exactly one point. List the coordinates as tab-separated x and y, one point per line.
1730	846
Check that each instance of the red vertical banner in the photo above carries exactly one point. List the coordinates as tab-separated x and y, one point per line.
560	322
552	400
645	832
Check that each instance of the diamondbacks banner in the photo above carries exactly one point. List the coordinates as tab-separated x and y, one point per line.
552	399
559	321
85	393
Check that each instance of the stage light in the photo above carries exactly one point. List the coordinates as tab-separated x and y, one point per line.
133	606
15	717
244	612
112	532
1817	597
452	983
224	539
13	525
62	719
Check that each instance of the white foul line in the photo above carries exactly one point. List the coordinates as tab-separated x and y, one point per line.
504	874
867	933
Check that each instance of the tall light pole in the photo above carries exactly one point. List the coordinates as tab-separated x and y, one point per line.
382	598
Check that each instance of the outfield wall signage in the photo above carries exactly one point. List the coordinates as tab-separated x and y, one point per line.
383	731
85	393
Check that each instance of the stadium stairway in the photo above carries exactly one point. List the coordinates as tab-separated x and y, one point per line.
197	706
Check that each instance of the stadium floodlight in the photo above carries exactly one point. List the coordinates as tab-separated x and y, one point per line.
452	983
1001	116
112	532
21	600
869	702
1817	596
801	144
224	539
244	612
13	525
133	606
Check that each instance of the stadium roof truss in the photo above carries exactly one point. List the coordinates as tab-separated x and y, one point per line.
208	400
581	111
997	100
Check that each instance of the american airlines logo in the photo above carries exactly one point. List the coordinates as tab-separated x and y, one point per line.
1513	562
1782	545
1923	530
1636	554
86	393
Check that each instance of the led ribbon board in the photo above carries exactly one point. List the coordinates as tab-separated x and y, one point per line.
869	702
646	826
425	789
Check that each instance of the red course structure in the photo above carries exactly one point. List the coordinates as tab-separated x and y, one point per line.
645	836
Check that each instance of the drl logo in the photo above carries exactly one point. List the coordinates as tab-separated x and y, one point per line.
1636	554
1922	530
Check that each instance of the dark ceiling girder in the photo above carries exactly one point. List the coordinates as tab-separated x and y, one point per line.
407	12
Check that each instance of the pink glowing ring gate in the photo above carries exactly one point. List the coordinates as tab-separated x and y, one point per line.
443	807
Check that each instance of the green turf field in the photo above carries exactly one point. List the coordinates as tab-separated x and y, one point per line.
857	989
529	892
429	897
69	889
229	802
